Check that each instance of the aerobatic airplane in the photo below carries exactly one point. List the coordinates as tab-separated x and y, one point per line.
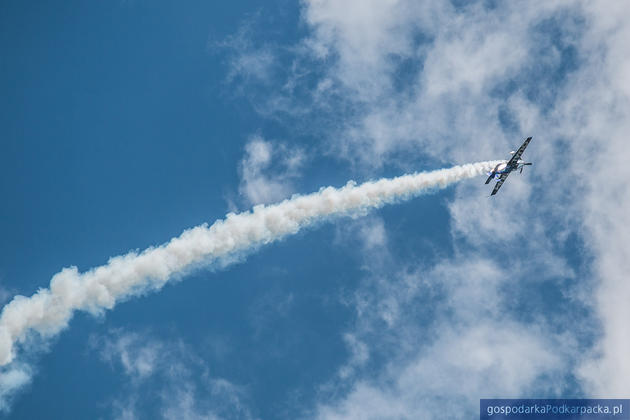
502	170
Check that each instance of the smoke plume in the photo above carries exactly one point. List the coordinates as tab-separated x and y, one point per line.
48	311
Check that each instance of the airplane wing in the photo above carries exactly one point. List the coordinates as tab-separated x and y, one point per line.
520	151
500	182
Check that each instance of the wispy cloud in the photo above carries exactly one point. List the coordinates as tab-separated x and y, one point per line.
249	63
173	372
432	79
137	355
429	341
268	169
594	117
13	378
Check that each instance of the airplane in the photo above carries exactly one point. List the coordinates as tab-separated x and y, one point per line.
502	170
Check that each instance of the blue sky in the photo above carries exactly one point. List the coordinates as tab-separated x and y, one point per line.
125	123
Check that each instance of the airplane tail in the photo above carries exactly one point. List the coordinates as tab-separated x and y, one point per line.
489	178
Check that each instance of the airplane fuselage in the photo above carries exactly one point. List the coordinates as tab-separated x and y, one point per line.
505	167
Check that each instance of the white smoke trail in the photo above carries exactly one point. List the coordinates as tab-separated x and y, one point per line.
48	311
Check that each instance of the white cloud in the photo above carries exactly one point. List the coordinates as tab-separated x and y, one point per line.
250	65
172	371
370	231
594	114
453	59
359	355
125	410
447	379
137	354
479	79
470	347
360	34
447	333
248	62
13	378
374	234
267	170
184	408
